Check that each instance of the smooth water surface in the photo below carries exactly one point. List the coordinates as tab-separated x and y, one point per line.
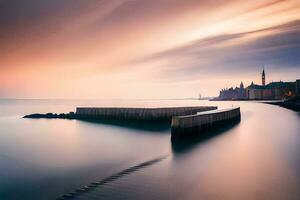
47	158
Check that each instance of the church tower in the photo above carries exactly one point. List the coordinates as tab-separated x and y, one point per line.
242	85
263	77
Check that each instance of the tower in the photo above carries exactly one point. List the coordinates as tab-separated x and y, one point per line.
263	77
242	85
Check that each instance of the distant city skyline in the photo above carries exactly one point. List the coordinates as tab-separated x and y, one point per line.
144	49
274	90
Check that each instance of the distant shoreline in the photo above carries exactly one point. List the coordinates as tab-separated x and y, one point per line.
292	104
251	100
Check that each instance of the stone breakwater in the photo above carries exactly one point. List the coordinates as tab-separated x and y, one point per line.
292	104
198	123
125	114
185	121
70	115
139	114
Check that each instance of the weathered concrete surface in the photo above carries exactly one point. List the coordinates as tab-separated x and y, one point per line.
138	114
198	123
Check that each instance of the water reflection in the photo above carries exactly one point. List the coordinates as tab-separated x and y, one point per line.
185	144
152	126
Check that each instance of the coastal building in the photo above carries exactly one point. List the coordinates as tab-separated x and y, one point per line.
298	87
271	91
254	92
233	93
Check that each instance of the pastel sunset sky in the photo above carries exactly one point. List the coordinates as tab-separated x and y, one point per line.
144	48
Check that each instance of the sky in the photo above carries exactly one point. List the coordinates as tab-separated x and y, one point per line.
144	49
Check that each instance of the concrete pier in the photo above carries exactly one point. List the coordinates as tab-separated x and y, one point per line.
138	114
198	123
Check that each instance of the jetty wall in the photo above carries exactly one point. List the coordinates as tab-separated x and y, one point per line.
139	114
200	122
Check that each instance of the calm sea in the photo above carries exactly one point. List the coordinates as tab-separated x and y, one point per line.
259	158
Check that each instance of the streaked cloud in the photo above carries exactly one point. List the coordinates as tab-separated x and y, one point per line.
54	48
234	53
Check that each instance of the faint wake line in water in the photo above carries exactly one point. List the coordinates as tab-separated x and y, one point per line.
111	178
